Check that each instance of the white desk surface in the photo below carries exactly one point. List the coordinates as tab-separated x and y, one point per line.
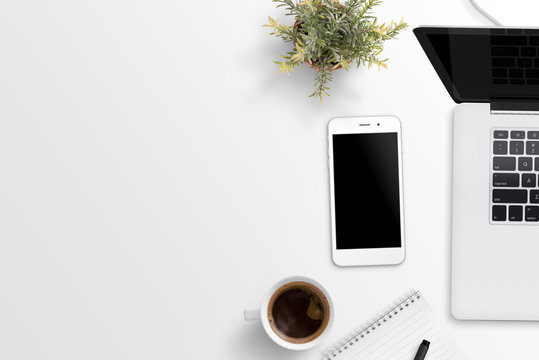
157	177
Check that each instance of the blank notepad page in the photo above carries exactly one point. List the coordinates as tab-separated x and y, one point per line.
396	335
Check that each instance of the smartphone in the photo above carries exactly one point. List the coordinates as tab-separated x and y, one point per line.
367	212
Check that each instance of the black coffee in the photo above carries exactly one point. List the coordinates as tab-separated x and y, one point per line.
298	312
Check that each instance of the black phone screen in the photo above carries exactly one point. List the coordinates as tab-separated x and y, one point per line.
366	188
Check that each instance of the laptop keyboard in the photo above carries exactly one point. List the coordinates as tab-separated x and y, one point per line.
514	182
515	56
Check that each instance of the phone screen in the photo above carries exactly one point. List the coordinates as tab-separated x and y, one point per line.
366	188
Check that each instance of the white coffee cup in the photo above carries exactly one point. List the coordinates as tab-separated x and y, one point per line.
261	313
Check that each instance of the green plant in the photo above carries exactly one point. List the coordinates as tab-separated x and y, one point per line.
328	35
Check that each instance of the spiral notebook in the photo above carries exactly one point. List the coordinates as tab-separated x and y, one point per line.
396	334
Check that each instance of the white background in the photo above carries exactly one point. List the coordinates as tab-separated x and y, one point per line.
157	177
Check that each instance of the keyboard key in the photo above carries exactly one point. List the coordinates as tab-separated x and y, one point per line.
509	196
536	167
500	148
499	73
502	134
524	163
515	213
518	134
504	51
509	40
505	180
534	196
503	62
534	40
516	147
529	180
517	81
532	147
531	134
499	213
504	163
531	31
532	213
500	81
516	73
533	81
532	73
525	63
527	51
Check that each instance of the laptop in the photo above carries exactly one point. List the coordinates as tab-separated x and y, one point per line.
493	76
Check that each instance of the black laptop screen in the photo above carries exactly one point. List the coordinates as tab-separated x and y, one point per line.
482	64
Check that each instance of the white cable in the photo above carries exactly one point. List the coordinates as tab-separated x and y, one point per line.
485	14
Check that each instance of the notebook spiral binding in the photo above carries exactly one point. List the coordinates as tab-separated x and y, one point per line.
356	335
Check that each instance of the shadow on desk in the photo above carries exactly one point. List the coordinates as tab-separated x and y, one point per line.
251	342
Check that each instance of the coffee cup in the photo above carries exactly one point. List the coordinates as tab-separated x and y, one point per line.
296	313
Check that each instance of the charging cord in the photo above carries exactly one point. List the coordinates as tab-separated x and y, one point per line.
485	14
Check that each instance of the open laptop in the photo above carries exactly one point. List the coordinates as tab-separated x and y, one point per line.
493	73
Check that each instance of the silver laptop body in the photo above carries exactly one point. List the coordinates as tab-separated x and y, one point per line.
492	74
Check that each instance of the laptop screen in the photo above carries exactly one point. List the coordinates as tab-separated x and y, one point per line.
484	64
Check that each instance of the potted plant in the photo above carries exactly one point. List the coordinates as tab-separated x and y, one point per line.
328	36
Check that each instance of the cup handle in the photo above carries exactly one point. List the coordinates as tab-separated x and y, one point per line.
251	314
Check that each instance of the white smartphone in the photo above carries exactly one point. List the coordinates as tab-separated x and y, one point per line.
367	212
